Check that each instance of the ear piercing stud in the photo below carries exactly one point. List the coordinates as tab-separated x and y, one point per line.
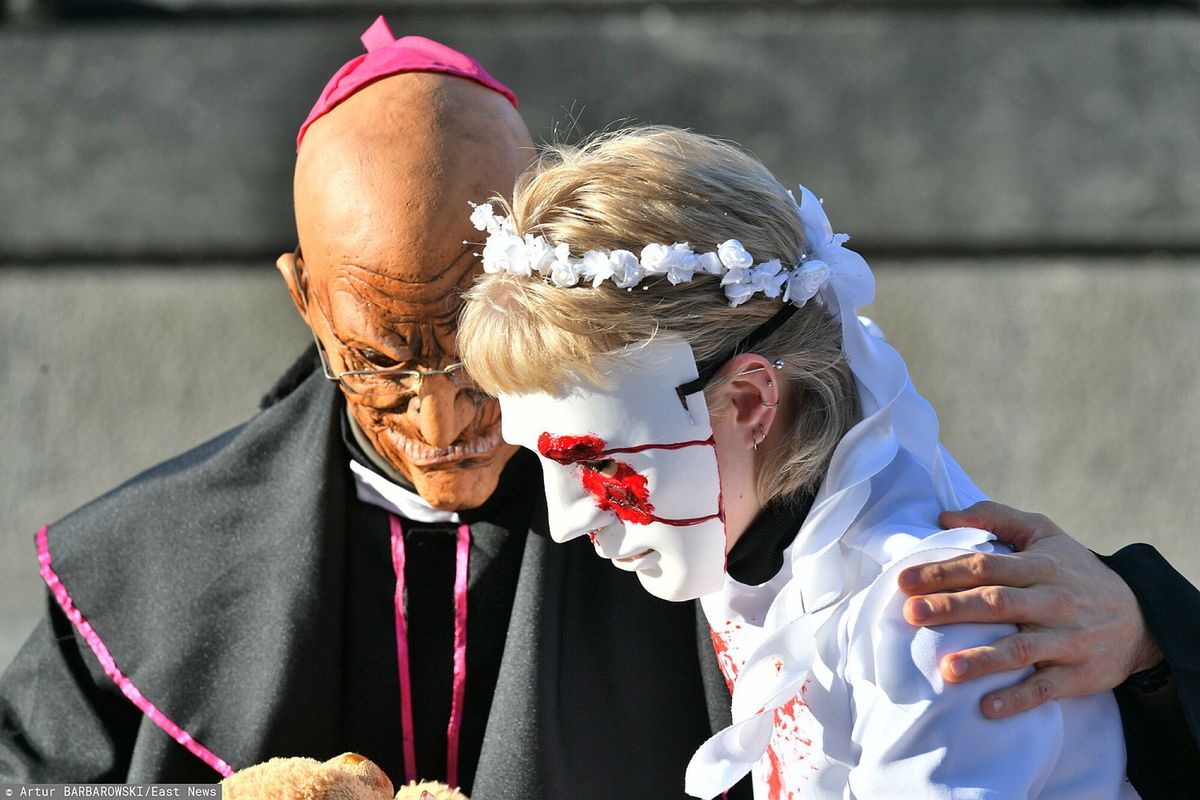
777	363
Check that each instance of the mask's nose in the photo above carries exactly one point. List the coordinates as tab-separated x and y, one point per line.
436	409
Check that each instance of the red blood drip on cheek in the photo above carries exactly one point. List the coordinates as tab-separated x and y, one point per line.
624	493
570	449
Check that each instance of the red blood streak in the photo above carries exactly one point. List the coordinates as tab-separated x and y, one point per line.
724	660
683	523
641	448
788	716
624	493
774	776
570	449
589	447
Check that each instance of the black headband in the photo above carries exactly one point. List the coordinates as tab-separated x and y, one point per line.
749	343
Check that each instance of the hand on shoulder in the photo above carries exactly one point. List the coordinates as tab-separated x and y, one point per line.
1080	624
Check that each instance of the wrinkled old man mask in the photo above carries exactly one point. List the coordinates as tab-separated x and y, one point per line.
381	189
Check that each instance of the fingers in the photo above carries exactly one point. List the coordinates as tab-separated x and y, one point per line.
990	604
1045	684
1017	528
976	569
1016	651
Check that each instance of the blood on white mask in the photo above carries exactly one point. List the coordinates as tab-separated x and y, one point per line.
632	464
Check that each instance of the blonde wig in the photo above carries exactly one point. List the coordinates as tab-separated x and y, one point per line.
624	190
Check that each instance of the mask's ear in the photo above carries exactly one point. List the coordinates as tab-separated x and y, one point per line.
750	397
289	268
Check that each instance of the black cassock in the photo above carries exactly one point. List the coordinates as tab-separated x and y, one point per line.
245	596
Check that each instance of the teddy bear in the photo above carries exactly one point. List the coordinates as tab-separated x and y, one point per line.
345	777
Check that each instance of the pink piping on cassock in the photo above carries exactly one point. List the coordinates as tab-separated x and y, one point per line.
110	666
462	554
460	653
406	720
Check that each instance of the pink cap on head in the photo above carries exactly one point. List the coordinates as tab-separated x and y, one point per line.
386	55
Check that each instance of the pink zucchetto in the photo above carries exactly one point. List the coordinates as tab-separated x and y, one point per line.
386	56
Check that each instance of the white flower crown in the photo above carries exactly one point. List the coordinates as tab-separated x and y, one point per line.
507	251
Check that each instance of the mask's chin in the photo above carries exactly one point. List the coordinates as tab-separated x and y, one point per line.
454	488
683	563
680	587
449	485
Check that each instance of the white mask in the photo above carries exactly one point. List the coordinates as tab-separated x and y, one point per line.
629	465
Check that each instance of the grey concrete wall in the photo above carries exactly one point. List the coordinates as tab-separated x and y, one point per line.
1026	181
1067	386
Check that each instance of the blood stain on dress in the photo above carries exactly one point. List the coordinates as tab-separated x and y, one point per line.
774	776
724	660
787	720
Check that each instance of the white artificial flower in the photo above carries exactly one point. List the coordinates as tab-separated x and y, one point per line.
627	271
768	278
677	262
739	293
709	264
656	259
565	271
540	254
684	267
484	218
505	252
805	281
735	275
596	267
733	255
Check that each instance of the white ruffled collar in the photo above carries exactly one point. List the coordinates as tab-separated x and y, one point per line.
379	491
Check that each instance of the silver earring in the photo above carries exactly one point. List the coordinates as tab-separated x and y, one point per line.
765	404
777	363
761	437
754	439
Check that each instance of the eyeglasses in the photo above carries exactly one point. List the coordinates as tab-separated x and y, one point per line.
388	385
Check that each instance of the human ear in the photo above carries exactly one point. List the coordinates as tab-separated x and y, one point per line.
751	395
290	270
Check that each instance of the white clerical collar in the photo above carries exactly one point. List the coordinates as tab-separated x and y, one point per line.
377	490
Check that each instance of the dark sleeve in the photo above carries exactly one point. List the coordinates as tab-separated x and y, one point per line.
61	719
717	697
1162	723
